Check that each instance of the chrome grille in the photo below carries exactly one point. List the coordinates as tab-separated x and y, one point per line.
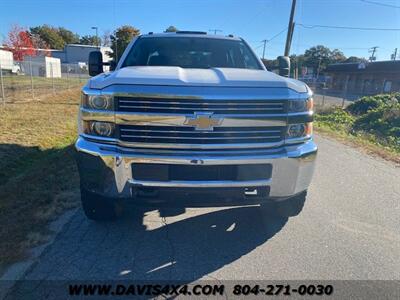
189	135
190	106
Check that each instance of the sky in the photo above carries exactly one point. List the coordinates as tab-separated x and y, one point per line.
253	20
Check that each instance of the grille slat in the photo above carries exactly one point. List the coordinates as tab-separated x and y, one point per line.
194	138
204	132
188	135
246	103
179	136
190	106
213	109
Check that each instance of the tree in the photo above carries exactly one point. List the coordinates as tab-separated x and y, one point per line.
319	57
55	37
355	59
50	35
106	38
68	36
90	40
19	42
40	45
121	38
337	56
270	64
171	29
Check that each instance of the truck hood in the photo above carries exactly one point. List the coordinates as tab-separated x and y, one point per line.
176	76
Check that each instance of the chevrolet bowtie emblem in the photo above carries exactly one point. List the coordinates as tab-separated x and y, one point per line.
203	121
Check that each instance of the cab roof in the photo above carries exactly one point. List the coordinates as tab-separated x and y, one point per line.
197	34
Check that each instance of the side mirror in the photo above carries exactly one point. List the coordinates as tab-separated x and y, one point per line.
284	65
95	63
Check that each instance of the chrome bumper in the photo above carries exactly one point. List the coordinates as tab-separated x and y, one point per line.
106	169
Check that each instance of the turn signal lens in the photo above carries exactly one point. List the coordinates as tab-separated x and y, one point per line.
310	104
309	128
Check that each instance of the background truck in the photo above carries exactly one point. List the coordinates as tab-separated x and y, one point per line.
193	119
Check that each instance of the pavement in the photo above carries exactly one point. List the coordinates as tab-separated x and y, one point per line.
349	230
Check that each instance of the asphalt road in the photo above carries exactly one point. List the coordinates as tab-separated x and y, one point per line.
349	229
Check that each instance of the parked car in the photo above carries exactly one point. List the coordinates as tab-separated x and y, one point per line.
193	119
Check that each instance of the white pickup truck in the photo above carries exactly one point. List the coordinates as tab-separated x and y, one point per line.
188	119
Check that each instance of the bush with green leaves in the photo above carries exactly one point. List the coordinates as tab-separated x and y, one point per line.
336	118
383	121
375	118
368	103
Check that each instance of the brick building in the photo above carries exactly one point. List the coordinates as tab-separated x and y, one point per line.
366	78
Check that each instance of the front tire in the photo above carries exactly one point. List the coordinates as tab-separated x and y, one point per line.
98	208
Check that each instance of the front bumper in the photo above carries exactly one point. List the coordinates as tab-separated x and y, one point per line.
106	169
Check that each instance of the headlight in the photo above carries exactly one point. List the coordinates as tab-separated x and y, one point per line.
299	130
104	129
301	105
101	102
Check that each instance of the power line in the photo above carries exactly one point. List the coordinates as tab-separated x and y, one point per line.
265	41
258	47
380	4
278	34
312	26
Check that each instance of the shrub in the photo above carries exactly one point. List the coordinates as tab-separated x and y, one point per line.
374	118
336	118
368	103
383	121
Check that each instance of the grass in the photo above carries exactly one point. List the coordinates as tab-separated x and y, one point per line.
336	123
38	176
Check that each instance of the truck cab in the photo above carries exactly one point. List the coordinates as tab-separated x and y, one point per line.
193	119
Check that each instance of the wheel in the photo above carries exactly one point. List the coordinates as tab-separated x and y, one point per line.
99	208
287	208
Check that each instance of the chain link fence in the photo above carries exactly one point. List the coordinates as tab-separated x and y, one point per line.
344	92
29	80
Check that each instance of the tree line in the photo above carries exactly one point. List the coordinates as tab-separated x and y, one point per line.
28	41
22	41
316	58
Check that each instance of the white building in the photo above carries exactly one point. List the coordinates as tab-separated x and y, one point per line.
7	63
43	66
75	53
6	59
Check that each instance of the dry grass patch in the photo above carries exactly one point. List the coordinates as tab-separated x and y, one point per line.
38	176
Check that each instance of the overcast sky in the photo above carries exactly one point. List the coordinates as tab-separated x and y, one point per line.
253	20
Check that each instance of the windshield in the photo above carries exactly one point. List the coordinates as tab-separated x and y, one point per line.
191	52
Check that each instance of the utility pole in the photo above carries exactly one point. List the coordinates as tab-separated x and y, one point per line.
215	30
373	50
97	35
265	42
290	29
394	55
